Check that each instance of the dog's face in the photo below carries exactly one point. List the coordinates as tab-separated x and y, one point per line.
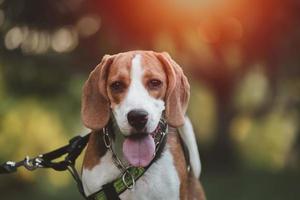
136	87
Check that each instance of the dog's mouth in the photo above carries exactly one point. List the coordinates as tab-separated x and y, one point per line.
139	149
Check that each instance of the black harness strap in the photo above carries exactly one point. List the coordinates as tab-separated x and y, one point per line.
73	150
110	191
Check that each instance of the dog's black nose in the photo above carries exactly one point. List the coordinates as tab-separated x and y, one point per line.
137	118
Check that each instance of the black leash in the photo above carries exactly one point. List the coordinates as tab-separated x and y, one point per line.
72	151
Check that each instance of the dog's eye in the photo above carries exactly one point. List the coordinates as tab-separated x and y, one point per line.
117	86
154	84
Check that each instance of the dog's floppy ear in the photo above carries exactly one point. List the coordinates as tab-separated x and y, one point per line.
178	91
95	111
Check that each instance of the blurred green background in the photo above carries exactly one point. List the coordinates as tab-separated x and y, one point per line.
241	57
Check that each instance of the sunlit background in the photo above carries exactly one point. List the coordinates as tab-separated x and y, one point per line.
242	58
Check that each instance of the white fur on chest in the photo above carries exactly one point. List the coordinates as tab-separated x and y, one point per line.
159	182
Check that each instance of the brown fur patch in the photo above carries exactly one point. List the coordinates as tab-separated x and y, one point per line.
119	71
178	92
153	69
190	187
179	160
95	150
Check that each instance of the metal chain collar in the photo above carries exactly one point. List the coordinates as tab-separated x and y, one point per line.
158	138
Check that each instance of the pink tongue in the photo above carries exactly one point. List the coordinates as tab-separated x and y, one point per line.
139	151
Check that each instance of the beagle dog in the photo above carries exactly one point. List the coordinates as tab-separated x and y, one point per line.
136	90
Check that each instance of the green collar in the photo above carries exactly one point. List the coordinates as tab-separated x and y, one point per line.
120	184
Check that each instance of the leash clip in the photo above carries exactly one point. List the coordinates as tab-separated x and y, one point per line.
9	167
33	164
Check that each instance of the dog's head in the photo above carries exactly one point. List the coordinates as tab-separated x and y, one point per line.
138	88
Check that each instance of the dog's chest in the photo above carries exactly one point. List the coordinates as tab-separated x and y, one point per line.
160	182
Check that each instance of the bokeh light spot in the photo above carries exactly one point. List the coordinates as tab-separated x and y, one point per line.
252	92
88	26
43	43
30	42
13	38
64	40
